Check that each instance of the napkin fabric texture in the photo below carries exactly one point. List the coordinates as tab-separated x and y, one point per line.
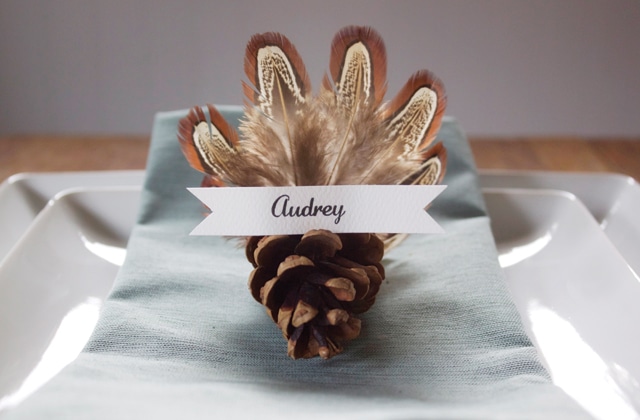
181	337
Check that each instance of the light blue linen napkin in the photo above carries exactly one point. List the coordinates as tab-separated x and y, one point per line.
181	337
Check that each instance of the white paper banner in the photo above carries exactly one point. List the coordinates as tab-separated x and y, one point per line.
256	211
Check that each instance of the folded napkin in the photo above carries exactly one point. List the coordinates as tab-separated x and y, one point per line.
181	337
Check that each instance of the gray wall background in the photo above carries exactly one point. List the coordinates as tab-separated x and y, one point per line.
539	67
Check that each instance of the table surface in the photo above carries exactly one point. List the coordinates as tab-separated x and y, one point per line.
53	153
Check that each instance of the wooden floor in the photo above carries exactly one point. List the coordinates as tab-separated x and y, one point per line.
46	153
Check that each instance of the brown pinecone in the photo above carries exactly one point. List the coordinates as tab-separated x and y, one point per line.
313	284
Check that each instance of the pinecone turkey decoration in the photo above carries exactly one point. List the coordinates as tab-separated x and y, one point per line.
314	285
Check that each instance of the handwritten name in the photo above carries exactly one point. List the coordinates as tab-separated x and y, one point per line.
282	208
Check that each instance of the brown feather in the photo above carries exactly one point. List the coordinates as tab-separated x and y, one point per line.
432	169
276	71
186	128
207	144
358	50
358	70
415	114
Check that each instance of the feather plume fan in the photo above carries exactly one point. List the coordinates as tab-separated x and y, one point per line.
344	135
313	285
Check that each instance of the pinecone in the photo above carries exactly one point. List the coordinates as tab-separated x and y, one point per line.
312	285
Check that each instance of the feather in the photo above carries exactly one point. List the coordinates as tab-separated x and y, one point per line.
415	114
280	86
358	67
344	134
208	145
432	169
278	75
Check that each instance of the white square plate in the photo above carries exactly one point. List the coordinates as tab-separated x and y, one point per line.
576	294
